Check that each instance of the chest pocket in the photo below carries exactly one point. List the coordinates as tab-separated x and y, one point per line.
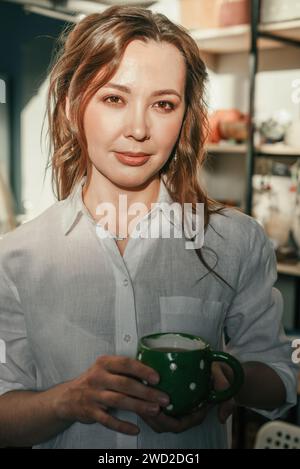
192	316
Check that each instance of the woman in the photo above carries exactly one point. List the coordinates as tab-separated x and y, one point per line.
76	296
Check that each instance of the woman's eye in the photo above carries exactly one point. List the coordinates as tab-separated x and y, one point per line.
113	99
166	105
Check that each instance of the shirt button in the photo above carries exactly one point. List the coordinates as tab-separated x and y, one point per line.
127	338
125	282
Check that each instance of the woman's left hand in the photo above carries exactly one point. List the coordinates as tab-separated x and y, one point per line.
164	423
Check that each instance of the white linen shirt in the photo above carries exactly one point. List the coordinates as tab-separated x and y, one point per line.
67	297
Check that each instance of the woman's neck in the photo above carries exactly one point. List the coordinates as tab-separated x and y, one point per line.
101	190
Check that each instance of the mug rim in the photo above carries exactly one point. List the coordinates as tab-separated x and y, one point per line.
181	334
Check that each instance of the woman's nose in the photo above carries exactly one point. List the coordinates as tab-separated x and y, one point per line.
137	124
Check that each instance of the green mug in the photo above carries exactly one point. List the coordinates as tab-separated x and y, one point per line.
183	362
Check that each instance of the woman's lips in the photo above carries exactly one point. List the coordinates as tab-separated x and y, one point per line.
132	160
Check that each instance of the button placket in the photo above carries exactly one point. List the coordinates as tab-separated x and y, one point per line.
126	327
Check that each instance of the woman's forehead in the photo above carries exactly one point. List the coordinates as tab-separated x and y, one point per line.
158	63
141	52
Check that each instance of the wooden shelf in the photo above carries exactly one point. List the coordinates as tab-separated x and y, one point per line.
237	38
289	269
227	148
289	29
279	149
270	149
223	40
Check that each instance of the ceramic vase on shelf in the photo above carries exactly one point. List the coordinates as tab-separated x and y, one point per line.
277	227
292	135
278	222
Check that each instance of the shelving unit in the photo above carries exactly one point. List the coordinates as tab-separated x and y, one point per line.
280	34
289	269
251	39
238	38
262	150
275	151
227	149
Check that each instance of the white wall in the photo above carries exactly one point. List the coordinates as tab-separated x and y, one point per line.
170	8
36	194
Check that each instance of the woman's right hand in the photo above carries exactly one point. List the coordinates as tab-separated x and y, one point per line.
111	382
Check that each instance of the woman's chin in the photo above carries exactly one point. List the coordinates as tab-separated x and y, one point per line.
131	181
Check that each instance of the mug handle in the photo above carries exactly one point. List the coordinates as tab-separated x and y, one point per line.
238	378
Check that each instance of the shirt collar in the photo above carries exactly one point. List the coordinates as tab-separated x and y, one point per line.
75	207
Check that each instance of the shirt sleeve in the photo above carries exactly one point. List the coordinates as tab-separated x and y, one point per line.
253	321
17	370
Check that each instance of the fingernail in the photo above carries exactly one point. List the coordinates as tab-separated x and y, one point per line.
164	400
154	379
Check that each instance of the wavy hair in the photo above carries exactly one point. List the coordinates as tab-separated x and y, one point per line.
98	42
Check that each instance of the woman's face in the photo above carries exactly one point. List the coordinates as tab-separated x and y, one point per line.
140	110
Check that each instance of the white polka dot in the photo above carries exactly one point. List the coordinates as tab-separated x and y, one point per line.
202	365
192	386
173	366
170	407
145	382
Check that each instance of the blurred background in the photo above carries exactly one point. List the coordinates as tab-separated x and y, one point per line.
252	51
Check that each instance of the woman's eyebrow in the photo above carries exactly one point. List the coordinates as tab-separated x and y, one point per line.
125	89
